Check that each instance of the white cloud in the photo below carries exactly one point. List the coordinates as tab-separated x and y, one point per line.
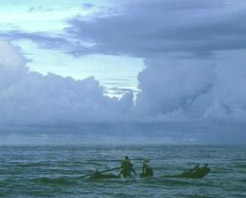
10	57
30	98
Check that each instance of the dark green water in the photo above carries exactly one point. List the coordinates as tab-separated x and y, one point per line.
50	171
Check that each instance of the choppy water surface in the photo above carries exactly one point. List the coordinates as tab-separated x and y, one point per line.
51	171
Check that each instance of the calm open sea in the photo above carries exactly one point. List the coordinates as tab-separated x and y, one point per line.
53	171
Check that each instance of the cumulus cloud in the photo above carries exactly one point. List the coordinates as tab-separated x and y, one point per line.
168	87
185	78
30	98
193	90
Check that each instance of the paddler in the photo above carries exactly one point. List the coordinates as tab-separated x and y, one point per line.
147	171
127	168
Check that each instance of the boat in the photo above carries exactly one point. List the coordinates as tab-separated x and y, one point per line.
196	172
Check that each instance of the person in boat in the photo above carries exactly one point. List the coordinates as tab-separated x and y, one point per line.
127	168
147	171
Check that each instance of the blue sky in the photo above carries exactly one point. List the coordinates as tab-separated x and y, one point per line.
178	63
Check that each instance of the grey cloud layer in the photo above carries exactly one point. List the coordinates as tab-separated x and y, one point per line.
150	28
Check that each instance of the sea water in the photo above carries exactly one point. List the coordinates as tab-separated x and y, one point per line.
54	171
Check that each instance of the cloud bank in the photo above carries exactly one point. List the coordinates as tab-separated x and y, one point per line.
183	90
30	98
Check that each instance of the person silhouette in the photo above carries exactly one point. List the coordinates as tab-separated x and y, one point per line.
147	171
127	168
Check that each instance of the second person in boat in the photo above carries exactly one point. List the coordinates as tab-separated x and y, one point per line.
147	171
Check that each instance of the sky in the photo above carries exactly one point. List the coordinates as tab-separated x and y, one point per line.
170	71
31	24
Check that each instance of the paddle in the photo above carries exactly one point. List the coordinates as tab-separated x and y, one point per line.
104	171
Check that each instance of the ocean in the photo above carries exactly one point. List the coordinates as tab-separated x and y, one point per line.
54	171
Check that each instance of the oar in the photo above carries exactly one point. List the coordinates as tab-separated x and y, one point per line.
104	171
